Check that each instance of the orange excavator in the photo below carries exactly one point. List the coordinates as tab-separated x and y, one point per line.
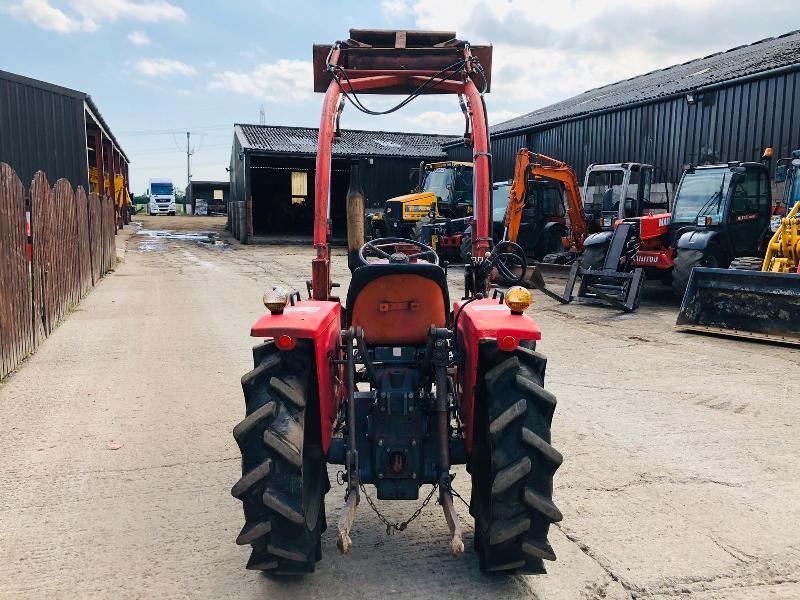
539	223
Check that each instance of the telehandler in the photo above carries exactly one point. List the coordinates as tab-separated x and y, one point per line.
755	297
398	384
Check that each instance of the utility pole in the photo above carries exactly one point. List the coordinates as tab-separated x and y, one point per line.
188	160
262	116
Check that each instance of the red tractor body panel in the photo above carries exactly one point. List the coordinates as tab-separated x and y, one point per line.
319	321
485	320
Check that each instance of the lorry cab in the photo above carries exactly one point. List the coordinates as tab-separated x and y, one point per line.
161	197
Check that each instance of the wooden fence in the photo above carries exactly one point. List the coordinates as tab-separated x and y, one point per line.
71	246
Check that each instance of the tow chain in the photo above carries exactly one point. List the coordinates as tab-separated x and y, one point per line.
397	526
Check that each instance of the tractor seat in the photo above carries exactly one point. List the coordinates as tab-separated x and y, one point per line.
396	304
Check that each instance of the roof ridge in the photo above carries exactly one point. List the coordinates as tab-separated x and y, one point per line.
447	135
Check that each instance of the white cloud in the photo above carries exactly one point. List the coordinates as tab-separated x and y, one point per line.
88	15
138	38
281	81
547	51
41	14
148	11
159	67
394	8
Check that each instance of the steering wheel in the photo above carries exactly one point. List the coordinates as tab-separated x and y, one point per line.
377	249
505	257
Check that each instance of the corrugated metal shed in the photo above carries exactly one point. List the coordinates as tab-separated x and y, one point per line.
724	107
44	127
302	141
713	70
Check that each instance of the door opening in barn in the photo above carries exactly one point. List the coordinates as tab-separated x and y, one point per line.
282	190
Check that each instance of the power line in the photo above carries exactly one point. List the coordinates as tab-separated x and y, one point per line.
169	131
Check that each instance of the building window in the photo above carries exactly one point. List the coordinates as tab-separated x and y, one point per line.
218	195
299	187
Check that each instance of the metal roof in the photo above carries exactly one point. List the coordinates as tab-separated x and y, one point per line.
276	139
716	70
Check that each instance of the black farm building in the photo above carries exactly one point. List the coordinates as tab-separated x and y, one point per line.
46	127
273	167
723	107
213	196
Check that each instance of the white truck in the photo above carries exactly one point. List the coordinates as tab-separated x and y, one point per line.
162	197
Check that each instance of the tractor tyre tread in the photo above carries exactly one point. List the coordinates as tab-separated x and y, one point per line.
284	479
512	463
747	263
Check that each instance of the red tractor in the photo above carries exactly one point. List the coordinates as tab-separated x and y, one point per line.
398	384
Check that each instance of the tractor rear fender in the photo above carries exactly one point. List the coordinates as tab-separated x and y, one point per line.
481	320
602	238
320	321
696	239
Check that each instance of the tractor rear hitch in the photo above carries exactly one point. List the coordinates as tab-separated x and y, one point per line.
348	515
441	360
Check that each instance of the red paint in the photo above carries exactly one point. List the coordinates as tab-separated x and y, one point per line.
485	320
450	241
480	160
320	273
653	226
659	259
320	322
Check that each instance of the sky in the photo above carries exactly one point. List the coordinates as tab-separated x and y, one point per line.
159	68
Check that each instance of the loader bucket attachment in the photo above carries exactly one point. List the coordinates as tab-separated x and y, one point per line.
749	304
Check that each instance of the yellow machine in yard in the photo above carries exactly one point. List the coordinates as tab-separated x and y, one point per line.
444	194
755	298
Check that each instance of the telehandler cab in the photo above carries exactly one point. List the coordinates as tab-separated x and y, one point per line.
398	384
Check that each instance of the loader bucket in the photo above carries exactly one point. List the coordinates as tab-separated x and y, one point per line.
749	304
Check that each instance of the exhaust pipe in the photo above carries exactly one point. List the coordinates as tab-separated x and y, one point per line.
355	218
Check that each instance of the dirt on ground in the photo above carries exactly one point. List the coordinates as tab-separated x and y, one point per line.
680	476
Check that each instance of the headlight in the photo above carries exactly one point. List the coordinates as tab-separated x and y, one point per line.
607	222
775	223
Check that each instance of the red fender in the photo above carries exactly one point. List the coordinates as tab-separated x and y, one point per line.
485	320
318	321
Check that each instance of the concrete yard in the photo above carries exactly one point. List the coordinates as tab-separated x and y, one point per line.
680	477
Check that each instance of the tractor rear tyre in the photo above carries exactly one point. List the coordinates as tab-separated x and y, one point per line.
512	462
685	261
747	263
284	478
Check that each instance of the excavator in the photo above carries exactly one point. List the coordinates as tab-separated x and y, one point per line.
754	298
611	280
537	223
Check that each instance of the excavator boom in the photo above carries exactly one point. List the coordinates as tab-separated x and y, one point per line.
531	165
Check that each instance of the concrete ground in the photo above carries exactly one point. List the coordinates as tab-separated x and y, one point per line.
680	478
